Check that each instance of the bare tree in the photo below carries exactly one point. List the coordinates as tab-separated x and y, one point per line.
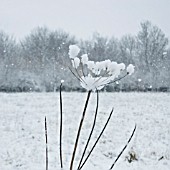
128	49
151	45
9	59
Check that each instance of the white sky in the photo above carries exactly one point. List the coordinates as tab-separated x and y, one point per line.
83	17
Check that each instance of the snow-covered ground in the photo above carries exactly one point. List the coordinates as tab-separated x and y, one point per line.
22	138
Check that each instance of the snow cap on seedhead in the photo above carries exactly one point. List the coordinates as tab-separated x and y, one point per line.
130	69
84	58
75	62
62	81
95	75
73	51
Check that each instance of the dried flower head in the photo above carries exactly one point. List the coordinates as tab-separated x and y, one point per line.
130	69
73	51
95	75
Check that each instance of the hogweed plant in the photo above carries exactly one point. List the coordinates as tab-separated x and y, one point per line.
93	76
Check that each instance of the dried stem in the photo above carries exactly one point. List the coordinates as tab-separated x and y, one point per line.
123	148
74	74
46	140
78	77
78	73
94	122
105	84
101	77
76	70
97	140
61	122
120	78
79	130
82	68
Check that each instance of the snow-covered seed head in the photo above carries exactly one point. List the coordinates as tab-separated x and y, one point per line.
84	59
121	66
106	64
62	81
112	67
75	62
95	75
130	69
73	51
90	65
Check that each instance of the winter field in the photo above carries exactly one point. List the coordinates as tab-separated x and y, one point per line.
22	136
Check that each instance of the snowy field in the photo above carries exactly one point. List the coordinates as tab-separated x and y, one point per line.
22	138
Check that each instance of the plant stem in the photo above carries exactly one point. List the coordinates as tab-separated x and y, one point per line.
74	74
118	79
61	122
92	129
123	148
97	140
46	140
79	130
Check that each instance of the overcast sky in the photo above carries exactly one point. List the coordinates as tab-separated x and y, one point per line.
83	17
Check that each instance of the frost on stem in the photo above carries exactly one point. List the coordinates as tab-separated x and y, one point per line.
95	75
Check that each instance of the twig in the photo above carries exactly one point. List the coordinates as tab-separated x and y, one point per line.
118	79
123	148
94	122
79	130
105	84
97	140
74	74
46	140
78	75
76	70
61	122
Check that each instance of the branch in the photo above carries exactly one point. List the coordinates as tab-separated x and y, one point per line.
74	74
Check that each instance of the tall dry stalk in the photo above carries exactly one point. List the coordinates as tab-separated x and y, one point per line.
96	140
91	132
46	141
123	148
79	130
61	127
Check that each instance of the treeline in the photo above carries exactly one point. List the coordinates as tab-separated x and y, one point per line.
40	61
